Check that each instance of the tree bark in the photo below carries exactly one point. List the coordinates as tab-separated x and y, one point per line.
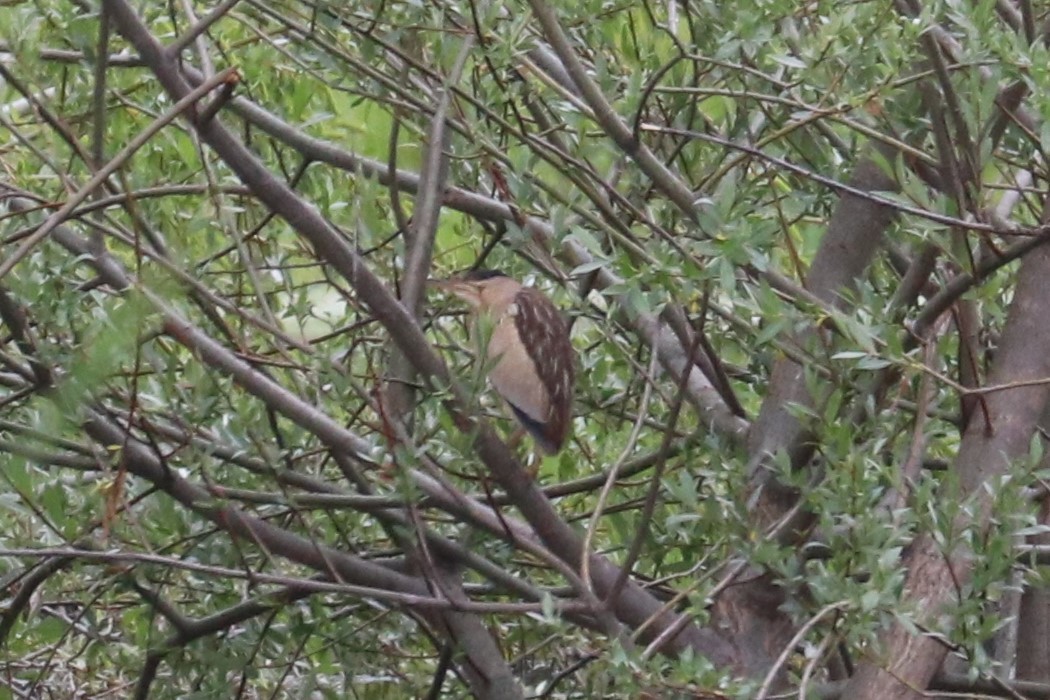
1033	633
750	610
905	663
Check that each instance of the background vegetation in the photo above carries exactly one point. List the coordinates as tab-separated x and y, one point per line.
244	452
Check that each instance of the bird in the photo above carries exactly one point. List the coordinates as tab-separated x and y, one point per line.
532	360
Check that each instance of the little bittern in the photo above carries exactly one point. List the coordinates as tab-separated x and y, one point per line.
533	361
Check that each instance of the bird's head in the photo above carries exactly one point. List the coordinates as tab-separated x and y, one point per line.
482	289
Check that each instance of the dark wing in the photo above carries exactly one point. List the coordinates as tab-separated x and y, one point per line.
545	336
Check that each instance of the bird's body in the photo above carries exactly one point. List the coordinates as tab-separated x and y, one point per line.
532	359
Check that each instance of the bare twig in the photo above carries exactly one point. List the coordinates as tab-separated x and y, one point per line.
186	102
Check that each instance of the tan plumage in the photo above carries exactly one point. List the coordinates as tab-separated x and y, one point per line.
533	360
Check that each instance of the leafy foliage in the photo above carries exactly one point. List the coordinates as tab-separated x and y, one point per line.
707	214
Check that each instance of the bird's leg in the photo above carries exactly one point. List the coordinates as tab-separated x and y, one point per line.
516	437
533	459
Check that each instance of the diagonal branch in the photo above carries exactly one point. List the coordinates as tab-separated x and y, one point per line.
634	606
986	453
617	129
187	101
422	232
649	327
489	675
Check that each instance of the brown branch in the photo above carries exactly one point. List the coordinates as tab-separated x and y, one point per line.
421	234
649	328
27	588
847	189
634	605
192	630
187	101
613	125
911	662
190	35
15	318
384	509
489	674
847	248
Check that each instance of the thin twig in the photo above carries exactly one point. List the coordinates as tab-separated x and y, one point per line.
112	166
614	471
